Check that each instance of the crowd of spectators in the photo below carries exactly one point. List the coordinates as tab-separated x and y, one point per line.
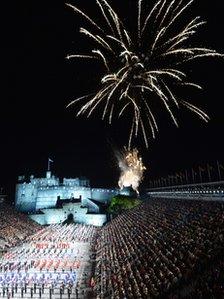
14	227
163	248
206	284
70	233
49	263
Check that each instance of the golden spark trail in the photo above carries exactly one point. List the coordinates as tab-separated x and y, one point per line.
131	167
142	66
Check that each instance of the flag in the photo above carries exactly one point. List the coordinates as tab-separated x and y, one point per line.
200	171
220	165
186	175
164	180
181	174
172	177
209	168
49	163
194	173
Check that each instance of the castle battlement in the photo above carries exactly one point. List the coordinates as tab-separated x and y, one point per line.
34	194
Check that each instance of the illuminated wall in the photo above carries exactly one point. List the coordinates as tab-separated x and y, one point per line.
103	195
39	193
53	216
43	193
26	197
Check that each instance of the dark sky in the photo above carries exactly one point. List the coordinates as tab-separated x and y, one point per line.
39	82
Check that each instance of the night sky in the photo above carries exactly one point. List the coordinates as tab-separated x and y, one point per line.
39	82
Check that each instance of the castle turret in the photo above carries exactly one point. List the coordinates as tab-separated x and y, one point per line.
48	174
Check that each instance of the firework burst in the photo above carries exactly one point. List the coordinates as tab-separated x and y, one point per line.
142	67
131	167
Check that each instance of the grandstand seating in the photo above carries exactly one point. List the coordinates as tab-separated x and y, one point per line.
161	250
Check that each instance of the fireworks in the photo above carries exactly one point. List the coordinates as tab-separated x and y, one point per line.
142	67
131	167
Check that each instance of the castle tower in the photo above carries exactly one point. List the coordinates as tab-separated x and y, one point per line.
48	174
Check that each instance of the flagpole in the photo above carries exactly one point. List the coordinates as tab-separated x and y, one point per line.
168	178
181	178
186	176
200	174
176	179
218	166
171	177
209	174
192	172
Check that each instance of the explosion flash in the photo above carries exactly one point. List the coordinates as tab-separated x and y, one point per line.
131	167
142	67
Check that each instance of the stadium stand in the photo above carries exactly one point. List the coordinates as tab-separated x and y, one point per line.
162	249
15	227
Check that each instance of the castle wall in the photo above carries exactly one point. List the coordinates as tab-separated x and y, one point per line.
50	216
53	216
96	219
75	209
30	197
92	207
71	182
47	196
42	194
76	182
26	195
39	218
103	195
50	181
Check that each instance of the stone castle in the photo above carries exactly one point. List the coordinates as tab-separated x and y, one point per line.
50	201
